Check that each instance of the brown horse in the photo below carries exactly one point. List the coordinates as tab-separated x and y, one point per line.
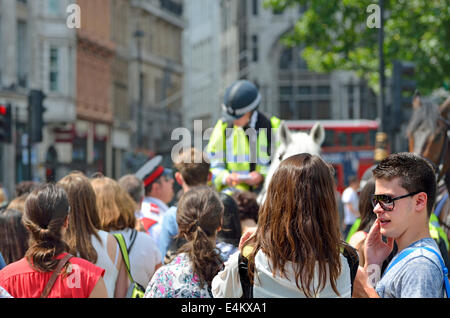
427	135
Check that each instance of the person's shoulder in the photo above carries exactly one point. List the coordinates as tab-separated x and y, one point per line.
424	250
422	262
145	239
171	212
347	193
357	238
17	268
347	190
86	266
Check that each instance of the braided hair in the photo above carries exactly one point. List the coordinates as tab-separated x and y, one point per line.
199	216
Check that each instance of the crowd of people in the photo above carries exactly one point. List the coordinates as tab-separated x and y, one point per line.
96	237
291	246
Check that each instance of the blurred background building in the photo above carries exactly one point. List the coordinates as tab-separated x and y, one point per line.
118	86
122	67
289	89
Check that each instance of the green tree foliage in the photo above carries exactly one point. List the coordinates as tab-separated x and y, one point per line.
335	35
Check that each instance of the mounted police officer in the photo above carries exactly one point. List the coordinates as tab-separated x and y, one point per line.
241	142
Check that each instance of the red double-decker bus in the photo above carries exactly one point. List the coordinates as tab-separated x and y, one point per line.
349	145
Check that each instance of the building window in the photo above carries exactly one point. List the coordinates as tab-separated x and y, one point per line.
291	58
286	91
286	59
53	70
255	48
323	110
54	6
305	110
22	65
304	90
323	90
286	110
255	4
79	150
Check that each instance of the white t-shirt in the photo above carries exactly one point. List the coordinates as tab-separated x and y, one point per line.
144	256
350	196
227	283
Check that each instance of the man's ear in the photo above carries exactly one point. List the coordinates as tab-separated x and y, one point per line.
179	178
210	176
421	201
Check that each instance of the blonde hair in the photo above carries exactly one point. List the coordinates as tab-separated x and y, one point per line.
18	203
115	206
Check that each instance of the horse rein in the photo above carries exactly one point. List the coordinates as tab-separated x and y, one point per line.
440	164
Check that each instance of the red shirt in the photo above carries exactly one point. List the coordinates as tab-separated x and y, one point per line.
22	281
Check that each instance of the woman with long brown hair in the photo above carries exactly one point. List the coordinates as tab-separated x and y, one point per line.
189	274
47	213
368	217
297	248
86	240
13	236
116	211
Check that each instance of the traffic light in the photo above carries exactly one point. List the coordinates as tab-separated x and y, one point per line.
5	123
36	111
403	88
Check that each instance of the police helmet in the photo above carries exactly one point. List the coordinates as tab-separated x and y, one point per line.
240	98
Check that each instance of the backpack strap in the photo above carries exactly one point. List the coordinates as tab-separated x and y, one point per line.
55	275
408	251
123	249
444	269
132	240
440	205
247	288
401	256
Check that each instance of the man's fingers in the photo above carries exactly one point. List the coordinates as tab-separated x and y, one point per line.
374	230
246	236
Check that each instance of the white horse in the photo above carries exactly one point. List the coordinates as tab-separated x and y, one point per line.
292	144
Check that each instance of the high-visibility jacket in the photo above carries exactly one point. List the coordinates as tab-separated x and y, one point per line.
231	153
436	231
353	229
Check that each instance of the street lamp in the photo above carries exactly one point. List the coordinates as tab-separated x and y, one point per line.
381	143
139	34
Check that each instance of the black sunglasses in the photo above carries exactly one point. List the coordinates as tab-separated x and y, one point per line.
387	202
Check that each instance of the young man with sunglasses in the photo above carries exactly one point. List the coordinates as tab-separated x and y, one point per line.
405	192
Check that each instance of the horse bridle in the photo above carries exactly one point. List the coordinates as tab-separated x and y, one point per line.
440	165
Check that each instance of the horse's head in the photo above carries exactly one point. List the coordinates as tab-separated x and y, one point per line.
427	133
292	144
299	142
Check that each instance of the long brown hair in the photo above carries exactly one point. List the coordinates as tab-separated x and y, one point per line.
46	211
199	215
84	220
365	206
298	223
13	236
115	206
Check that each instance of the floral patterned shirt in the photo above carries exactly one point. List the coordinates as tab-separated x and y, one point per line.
177	280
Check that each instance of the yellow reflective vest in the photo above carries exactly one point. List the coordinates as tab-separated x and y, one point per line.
229	151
